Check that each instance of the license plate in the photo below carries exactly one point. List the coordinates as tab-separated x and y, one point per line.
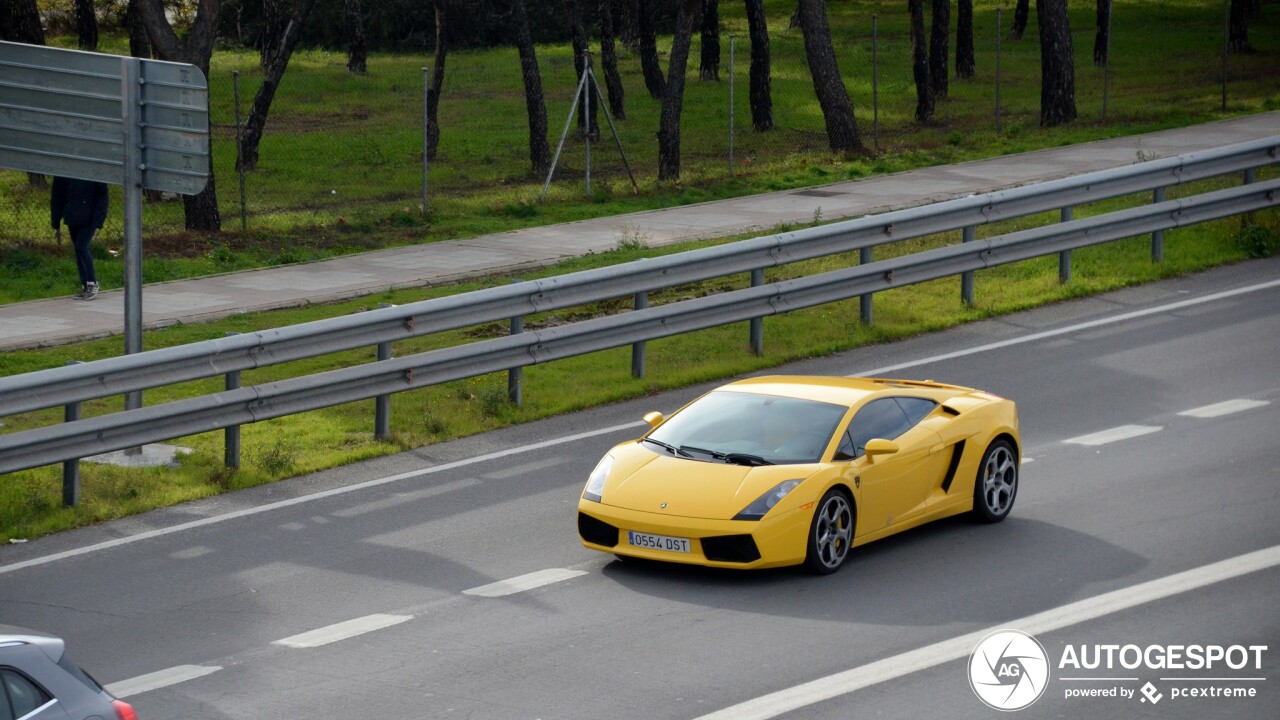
658	542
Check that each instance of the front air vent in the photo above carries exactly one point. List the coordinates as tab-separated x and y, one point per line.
730	548
597	532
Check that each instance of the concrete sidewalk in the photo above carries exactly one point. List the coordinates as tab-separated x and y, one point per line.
62	320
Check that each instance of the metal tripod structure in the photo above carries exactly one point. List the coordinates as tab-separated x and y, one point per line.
583	89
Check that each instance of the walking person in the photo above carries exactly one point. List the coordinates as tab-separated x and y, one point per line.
82	205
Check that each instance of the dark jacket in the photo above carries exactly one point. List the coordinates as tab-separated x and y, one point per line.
78	203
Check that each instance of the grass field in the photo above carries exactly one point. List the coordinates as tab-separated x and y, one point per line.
341	171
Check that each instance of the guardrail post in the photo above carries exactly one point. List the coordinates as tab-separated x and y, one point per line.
1064	257
637	349
966	279
71	468
1157	237
231	435
515	376
1250	176
864	301
757	324
382	404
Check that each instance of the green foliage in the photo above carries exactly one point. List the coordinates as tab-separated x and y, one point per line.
1257	241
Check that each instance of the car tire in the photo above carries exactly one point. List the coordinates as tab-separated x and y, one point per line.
996	486
830	533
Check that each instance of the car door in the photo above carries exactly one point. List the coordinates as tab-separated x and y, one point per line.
895	488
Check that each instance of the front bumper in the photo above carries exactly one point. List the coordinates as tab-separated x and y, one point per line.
770	542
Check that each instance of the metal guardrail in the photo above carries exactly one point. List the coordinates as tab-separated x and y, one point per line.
156	368
51	444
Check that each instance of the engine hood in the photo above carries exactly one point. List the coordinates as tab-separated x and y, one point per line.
648	481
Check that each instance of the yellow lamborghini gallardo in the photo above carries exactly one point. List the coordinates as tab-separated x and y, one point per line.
796	470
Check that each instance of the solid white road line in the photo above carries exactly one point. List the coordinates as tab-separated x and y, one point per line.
617	428
314	496
1115	434
1034	337
159	679
843	683
342	631
524	582
1224	408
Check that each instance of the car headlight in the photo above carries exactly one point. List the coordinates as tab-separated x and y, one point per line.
765	502
595	483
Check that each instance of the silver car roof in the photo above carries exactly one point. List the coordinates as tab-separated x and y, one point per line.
51	645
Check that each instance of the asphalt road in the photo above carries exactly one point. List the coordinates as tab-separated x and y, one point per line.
184	610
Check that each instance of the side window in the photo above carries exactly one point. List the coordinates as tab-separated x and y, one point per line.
915	408
24	696
881	418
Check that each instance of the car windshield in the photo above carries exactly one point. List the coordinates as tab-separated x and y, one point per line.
751	429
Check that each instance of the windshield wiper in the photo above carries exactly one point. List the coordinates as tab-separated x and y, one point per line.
713	453
745	459
669	448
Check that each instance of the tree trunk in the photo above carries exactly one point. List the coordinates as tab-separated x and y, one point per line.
1057	64
965	64
534	104
938	47
761	94
196	49
709	67
628	29
588	105
274	22
139	45
20	22
1238	36
1020	13
609	63
673	97
796	20
357	50
1255	9
437	81
920	62
837	108
1100	39
87	25
645	11
281	50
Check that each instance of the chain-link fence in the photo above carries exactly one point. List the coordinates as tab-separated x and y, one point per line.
344	151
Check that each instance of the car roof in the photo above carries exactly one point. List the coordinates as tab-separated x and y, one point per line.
51	645
849	391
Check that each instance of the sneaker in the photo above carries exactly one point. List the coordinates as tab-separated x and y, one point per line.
89	292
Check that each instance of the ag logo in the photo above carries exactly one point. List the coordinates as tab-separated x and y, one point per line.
1008	670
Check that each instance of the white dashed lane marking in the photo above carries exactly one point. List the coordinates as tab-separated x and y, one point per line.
160	679
1115	434
524	582
342	630
1223	408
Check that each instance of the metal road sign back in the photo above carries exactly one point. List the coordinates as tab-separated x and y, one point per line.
64	112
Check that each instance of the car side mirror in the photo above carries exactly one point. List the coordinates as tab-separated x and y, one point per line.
878	447
654	418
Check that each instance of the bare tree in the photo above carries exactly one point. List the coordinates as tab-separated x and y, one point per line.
357	50
673	97
281	50
20	22
920	62
628	30
1020	13
1100	39
649	64
139	44
941	28
1057	64
837	108
609	63
761	93
534	103
196	49
1238	35
709	67
437	81
964	39
86	25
